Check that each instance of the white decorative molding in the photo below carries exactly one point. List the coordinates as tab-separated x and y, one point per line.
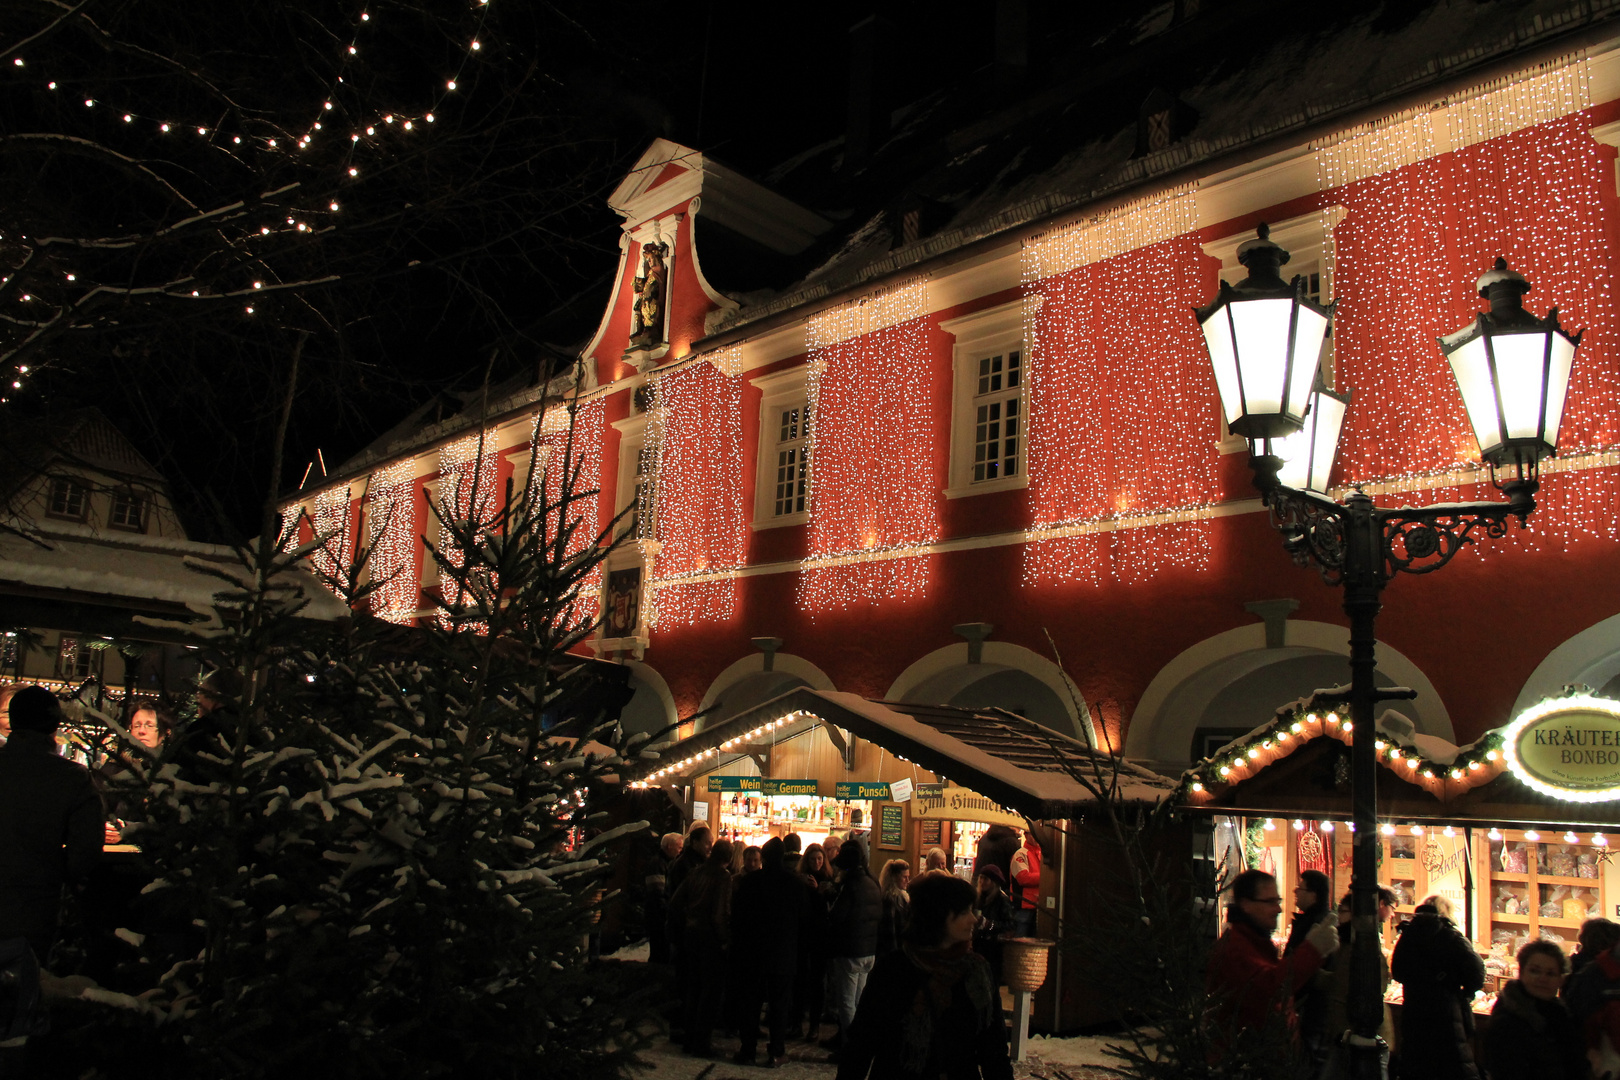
1255	185
1001	320
1609	135
994	657
991	330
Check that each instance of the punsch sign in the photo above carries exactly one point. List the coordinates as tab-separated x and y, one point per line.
1567	747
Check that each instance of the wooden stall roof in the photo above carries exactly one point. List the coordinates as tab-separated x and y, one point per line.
1312	783
1018	763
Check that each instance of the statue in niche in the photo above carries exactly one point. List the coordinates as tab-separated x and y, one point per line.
647	322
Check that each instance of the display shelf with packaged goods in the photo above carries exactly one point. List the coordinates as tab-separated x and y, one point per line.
1541	886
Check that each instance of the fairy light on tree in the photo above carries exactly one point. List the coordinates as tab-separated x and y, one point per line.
191	159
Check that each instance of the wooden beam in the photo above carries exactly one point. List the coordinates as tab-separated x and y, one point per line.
846	748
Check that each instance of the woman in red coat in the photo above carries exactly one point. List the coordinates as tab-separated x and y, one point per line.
1250	985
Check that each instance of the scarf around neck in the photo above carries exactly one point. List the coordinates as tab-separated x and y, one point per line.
946	967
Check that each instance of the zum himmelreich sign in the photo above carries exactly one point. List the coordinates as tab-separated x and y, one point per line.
1567	747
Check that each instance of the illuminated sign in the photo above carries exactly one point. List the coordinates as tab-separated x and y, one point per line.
787	787
1567	747
749	784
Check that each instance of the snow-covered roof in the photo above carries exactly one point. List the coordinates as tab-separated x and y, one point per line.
142	573
1032	770
983	159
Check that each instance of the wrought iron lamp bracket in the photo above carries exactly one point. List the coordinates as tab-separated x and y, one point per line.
1317	531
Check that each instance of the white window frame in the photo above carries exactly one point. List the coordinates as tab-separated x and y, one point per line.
632	438
783	390
1306	239
999	329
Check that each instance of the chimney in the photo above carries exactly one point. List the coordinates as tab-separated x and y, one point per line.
868	97
1012	38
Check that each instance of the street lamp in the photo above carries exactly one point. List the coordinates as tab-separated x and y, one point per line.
1512	369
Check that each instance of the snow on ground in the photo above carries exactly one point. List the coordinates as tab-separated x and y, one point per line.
1077	1058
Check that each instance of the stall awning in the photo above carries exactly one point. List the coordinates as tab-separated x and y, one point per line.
1313	782
1029	769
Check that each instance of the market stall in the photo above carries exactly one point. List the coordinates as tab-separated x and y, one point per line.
1517	833
908	778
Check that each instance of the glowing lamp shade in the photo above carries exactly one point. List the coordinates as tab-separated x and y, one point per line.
1308	454
1265	340
1512	370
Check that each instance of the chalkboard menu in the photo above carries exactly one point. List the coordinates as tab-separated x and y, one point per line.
891	827
932	834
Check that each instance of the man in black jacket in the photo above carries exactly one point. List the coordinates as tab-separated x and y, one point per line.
852	935
767	909
51	821
1439	972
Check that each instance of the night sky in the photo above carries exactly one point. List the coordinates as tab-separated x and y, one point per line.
749	85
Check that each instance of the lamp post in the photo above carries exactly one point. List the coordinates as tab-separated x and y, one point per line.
1512	368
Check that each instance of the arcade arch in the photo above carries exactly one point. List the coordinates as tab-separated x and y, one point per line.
1591	657
1007	676
651	707
745	684
1232	683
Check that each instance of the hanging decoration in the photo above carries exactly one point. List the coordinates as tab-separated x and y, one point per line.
469	475
568	438
1312	851
1121	407
1433	196
395	541
874	451
333	556
352	134
700	529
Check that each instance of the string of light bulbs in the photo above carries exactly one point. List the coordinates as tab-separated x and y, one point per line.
699	509
872	446
366	129
348	54
469	471
331	519
1119	396
568	438
395	542
1432	197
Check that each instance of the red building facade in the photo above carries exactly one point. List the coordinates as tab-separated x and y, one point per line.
989	469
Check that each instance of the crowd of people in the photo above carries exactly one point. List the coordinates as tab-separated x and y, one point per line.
901	970
58	816
1558	1020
